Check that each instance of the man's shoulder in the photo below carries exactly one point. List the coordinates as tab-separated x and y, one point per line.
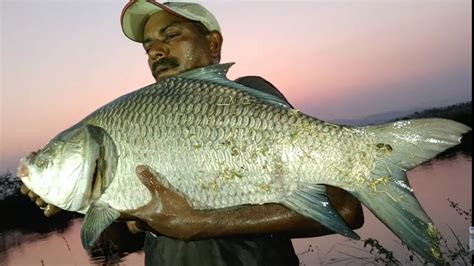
260	84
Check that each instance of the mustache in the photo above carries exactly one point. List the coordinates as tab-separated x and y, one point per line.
165	62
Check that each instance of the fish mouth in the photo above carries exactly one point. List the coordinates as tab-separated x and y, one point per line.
23	171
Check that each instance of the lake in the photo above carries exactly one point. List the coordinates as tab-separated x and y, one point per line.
433	184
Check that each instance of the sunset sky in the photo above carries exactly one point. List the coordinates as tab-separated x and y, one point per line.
61	60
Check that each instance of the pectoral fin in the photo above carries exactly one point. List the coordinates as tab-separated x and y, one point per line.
97	219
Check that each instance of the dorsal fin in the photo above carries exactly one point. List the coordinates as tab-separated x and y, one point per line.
217	74
210	73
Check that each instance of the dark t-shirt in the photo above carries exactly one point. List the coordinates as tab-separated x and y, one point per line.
245	251
229	251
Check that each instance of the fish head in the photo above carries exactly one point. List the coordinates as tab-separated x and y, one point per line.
69	171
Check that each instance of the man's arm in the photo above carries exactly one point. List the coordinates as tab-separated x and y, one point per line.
178	220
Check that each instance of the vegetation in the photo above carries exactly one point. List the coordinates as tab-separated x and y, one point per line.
452	255
350	252
461	112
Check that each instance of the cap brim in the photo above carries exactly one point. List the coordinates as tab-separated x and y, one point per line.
136	13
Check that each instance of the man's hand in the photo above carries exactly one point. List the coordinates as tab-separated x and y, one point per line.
169	214
48	209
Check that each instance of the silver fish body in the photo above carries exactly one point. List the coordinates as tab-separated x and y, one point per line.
220	150
221	145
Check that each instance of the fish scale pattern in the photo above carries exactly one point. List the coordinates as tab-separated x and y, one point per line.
221	147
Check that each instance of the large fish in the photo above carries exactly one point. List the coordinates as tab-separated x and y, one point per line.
221	144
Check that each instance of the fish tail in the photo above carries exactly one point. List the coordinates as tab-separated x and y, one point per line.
401	146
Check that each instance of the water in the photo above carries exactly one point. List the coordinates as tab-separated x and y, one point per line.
433	183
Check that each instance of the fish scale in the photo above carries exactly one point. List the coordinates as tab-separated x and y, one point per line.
221	144
253	126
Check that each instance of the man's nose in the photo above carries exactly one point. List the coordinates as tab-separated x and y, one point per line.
158	50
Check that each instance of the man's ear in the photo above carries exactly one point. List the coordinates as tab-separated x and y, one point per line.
215	43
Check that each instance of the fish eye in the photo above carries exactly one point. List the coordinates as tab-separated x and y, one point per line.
41	162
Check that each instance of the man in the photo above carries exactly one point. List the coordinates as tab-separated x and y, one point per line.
178	37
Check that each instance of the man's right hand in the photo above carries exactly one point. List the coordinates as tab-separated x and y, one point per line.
48	209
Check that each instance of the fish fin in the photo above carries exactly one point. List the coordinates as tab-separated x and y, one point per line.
403	145
418	140
217	74
97	219
313	202
391	199
209	73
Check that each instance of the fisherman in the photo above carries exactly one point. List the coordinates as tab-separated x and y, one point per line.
178	37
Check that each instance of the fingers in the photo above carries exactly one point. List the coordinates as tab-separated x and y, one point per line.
32	195
24	190
148	178
51	210
140	169
48	209
40	202
37	200
133	227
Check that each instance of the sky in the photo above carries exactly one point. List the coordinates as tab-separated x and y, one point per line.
61	60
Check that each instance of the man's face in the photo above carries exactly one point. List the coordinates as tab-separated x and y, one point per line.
174	45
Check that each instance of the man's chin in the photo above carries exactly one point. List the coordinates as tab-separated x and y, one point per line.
166	74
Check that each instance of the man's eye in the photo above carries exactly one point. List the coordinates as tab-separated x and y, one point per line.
171	36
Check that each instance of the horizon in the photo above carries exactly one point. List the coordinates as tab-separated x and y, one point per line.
332	60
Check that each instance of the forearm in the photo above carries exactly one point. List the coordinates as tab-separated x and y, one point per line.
262	219
255	220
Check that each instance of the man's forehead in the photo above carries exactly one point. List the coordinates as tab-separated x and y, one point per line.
160	21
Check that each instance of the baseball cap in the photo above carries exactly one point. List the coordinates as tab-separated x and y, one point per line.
136	13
